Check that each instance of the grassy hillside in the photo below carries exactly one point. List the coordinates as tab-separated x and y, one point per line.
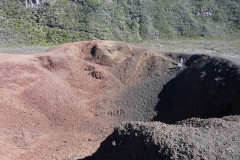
61	21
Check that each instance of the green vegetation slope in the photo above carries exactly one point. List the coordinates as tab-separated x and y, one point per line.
61	21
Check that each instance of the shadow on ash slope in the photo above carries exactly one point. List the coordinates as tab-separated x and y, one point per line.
206	87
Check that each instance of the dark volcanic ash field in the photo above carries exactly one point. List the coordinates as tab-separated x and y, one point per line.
63	103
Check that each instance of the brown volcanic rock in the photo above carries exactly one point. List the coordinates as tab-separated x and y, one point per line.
110	53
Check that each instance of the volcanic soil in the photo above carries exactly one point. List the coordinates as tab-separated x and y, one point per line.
63	103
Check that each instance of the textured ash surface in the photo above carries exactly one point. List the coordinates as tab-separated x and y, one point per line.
190	139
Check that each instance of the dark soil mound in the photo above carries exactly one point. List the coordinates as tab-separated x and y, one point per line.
190	139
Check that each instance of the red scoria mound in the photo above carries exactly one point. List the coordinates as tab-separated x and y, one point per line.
56	105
